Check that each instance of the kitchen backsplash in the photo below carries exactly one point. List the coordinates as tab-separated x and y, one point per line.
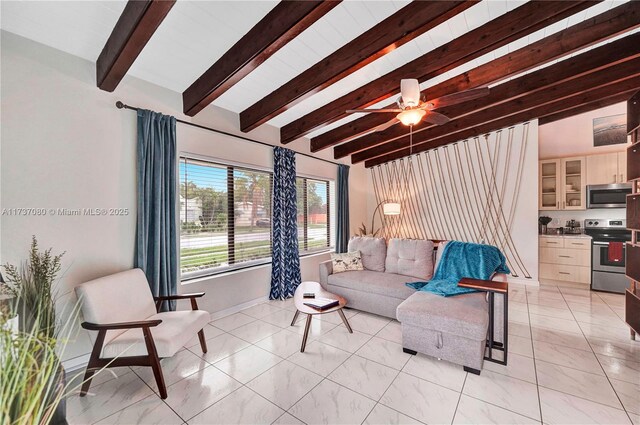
560	217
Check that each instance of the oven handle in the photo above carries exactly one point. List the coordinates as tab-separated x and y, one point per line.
600	243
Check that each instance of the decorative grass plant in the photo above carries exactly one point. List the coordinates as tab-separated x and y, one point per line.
32	284
31	384
31	377
362	231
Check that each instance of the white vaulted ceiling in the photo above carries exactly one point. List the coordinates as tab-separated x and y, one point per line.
196	33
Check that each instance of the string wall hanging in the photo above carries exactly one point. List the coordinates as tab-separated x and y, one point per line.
465	191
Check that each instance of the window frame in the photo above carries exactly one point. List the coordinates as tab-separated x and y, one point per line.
231	166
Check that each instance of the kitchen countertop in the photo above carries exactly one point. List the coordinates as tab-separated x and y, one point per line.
581	236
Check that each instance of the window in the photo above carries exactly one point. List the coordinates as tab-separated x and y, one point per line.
225	217
315	218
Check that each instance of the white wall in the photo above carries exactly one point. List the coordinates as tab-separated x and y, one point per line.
65	145
573	136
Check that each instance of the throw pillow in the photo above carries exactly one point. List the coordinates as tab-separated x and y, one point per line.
347	262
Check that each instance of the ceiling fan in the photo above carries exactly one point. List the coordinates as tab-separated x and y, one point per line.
412	107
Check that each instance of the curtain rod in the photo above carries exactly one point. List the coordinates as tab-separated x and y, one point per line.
121	105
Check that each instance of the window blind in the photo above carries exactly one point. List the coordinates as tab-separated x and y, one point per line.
314	214
225	217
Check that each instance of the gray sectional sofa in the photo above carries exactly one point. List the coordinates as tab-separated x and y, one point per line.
452	328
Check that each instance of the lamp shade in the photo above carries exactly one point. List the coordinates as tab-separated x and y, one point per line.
411	116
391	208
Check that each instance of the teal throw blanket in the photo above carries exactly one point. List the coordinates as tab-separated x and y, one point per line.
463	259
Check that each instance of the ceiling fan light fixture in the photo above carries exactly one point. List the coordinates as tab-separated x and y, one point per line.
411	116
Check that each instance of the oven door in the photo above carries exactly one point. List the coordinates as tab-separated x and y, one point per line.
601	262
608	195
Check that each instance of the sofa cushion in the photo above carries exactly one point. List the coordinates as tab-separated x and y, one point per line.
372	250
465	315
410	257
387	284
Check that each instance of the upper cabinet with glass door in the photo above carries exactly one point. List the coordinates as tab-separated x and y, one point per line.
549	185
562	184
574	181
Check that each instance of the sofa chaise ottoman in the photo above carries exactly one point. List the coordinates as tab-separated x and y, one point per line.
449	328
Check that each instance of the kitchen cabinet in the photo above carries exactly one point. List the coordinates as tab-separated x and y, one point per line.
602	169
607	168
565	258
549	185
562	184
622	166
573	184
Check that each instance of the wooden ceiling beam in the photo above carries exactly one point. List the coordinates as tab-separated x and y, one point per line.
137	23
588	62
628	86
587	107
597	29
281	25
502	30
601	78
403	26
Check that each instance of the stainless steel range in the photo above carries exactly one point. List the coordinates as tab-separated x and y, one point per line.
608	254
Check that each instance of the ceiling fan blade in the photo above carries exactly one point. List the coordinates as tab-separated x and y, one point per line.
436	118
410	92
463	96
351	111
386	125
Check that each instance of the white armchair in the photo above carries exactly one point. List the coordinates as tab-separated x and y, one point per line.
130	330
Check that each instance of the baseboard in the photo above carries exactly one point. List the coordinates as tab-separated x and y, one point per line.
81	362
523	281
76	363
237	308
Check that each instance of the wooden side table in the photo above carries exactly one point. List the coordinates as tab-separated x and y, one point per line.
493	288
299	301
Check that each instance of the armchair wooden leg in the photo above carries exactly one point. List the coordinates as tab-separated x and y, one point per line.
203	342
86	381
155	362
93	362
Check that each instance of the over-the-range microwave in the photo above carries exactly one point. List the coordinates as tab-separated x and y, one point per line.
608	195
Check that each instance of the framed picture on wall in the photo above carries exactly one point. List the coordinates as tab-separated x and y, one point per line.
610	130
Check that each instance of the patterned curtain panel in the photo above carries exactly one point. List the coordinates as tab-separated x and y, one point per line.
156	243
285	269
342	203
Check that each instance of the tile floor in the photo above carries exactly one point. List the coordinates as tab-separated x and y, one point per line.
570	361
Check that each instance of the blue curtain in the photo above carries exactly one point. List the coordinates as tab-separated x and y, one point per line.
156	239
285	268
342	204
